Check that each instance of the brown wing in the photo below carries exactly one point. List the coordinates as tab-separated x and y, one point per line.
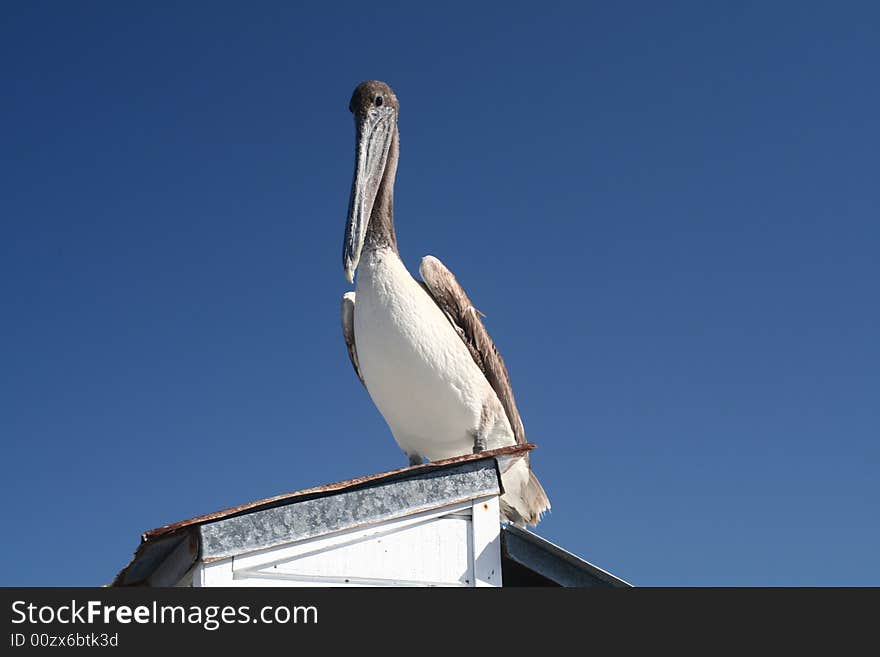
348	332
441	285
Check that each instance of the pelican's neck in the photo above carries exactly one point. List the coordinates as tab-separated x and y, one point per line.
380	230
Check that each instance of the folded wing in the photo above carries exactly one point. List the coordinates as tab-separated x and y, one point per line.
446	292
348	300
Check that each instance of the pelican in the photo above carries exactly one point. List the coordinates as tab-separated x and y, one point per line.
420	348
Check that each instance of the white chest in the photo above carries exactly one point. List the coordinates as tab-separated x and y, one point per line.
417	370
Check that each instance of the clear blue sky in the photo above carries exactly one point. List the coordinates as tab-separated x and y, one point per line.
670	214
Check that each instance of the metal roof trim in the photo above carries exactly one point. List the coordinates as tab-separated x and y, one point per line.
327	489
571	561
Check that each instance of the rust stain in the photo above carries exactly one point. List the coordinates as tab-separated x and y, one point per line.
214	559
330	488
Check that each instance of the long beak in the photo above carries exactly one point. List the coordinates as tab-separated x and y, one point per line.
374	133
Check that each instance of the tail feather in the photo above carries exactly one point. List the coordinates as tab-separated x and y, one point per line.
524	500
536	499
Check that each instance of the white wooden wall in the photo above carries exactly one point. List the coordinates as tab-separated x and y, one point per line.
457	545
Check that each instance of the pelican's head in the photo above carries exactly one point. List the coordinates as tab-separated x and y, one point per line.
375	110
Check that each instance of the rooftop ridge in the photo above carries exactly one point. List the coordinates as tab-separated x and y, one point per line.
315	491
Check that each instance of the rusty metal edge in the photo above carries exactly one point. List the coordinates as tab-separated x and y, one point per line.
318	491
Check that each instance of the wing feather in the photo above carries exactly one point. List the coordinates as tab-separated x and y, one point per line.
448	294
348	300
